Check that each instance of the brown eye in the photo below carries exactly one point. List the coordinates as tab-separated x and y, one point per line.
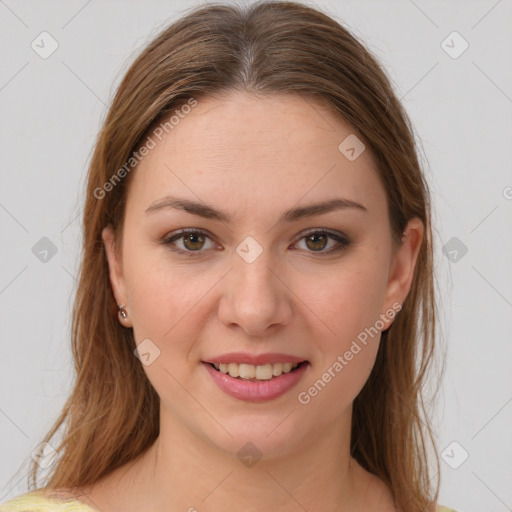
317	241
193	241
188	242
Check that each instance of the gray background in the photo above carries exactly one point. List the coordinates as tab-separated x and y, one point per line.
51	110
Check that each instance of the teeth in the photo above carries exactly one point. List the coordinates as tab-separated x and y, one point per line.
232	369
260	372
246	371
264	372
277	369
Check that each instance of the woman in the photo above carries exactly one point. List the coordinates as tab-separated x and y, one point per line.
256	285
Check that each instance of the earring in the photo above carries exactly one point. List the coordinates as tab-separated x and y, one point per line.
122	312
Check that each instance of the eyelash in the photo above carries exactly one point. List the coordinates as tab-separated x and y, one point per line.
168	241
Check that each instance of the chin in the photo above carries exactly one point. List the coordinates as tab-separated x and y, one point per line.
256	436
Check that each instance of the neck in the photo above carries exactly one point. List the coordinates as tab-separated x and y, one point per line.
183	471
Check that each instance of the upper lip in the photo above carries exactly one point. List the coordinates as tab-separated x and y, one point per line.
254	359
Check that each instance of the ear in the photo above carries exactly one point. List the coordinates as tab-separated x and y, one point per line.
117	280
402	269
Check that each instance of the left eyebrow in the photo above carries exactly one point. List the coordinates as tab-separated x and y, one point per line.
292	215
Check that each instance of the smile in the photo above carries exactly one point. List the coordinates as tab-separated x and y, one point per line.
256	372
256	383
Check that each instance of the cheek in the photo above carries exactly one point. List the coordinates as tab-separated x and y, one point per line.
346	351
347	299
349	303
333	388
163	297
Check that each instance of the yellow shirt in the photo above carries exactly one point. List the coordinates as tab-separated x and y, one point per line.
34	502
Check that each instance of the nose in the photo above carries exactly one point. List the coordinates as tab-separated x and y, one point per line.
255	297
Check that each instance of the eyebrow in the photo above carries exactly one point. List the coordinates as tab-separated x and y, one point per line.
294	214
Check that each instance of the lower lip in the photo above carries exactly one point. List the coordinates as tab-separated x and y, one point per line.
256	391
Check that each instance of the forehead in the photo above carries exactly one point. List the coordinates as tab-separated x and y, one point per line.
244	148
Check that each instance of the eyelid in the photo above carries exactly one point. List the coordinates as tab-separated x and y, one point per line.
331	232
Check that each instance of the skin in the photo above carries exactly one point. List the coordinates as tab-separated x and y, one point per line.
254	158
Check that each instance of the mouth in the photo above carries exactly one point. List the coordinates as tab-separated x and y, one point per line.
256	383
250	372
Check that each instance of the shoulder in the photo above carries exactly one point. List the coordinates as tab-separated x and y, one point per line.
440	508
38	501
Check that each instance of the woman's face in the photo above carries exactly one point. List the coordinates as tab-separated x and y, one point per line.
263	273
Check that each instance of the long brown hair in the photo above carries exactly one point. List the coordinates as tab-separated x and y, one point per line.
112	414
